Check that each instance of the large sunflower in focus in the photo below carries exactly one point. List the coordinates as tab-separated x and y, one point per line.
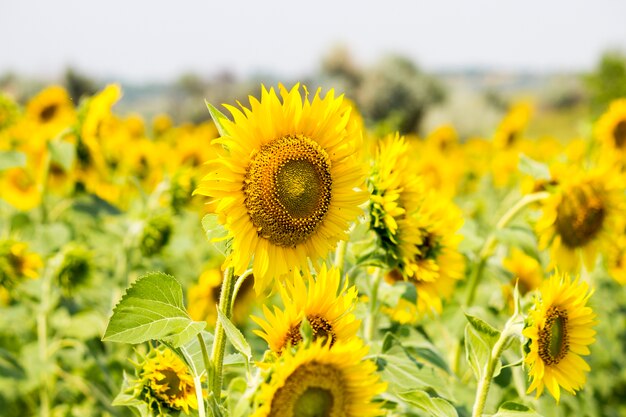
581	216
324	304
286	188
559	332
321	380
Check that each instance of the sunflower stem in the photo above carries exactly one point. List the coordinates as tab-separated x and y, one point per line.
219	344
198	385
490	244
371	318
42	342
510	331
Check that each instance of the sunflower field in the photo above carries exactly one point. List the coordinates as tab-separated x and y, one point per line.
286	258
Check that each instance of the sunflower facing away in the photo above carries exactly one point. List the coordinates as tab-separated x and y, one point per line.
321	380
581	216
287	186
325	304
559	331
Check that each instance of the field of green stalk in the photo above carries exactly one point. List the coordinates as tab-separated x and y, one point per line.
302	252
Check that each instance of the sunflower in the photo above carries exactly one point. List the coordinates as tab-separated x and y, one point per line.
321	380
526	270
17	263
396	192
20	188
512	126
9	111
434	265
204	296
559	329
165	383
51	107
616	260
286	188
610	129
581	215
325	304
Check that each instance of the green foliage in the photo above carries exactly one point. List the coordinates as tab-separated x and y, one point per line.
12	159
480	339
608	81
152	309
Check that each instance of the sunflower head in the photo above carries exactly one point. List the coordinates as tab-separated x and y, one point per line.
320	380
17	263
611	127
323	303
75	267
51	107
581	214
559	330
287	186
512	126
164	382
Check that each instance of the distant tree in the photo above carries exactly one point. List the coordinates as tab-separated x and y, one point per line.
340	69
608	81
78	85
396	94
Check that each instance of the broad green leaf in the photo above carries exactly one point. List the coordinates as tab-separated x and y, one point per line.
435	407
12	159
535	169
519	237
511	409
404	373
63	153
152	309
488	332
218	118
235	336
127	399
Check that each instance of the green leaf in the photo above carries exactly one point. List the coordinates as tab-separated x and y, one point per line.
511	409
218	118
535	169
12	159
127	399
152	309
234	335
10	366
63	153
436	407
192	353
490	333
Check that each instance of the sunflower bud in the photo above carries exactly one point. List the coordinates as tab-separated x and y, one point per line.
156	234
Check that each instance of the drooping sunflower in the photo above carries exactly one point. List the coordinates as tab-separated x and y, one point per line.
581	215
512	125
325	304
610	129
165	383
559	329
321	380
287	186
434	265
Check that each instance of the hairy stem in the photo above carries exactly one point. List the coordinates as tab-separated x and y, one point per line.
370	329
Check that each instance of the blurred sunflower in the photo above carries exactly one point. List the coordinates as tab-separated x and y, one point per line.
610	129
165	383
17	263
51	108
287	187
512	126
320	380
19	188
616	259
581	215
9	112
204	296
559	329
324	304
526	272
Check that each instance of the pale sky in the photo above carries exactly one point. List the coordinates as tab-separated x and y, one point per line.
155	40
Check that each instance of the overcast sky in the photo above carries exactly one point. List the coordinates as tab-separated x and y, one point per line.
158	39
